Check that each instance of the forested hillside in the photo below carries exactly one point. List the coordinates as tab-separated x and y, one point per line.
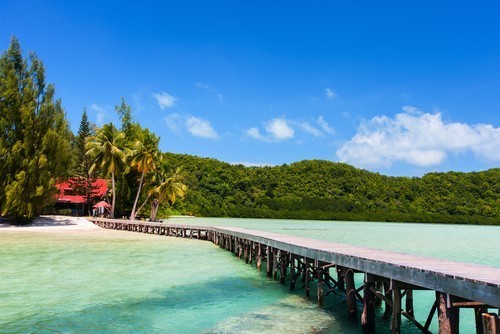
317	189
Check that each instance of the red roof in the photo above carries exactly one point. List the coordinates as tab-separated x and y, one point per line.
67	195
102	204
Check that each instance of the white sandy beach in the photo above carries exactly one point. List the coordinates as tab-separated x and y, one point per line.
53	224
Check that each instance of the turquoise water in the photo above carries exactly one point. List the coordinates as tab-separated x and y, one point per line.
122	282
463	243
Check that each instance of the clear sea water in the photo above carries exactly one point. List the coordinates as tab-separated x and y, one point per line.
104	281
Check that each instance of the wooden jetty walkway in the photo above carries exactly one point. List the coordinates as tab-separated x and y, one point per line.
329	268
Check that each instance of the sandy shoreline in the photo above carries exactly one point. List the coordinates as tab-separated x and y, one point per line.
53	224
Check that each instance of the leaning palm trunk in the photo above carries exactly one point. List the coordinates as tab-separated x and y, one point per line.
142	205
134	213
112	213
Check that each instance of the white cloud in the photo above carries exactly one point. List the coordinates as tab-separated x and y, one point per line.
279	130
174	122
330	94
196	126
321	129
164	100
306	127
200	128
324	126
417	138
101	113
254	133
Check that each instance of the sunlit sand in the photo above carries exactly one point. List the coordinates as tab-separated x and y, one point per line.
53	224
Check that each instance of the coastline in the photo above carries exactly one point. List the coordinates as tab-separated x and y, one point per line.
53	223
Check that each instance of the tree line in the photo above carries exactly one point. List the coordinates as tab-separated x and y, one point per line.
318	189
37	150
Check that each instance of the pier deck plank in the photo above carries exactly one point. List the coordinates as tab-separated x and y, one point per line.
470	281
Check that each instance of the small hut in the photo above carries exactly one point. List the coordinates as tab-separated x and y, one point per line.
101	209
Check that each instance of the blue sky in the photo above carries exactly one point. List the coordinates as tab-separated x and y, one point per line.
396	87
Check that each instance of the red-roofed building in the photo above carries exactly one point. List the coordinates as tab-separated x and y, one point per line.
71	197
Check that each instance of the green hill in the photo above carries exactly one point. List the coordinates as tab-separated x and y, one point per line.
316	189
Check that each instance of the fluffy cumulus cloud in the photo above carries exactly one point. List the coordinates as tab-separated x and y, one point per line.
277	129
200	128
280	129
164	100
417	138
196	126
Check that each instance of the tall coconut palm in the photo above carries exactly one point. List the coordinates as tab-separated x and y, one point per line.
107	148
145	159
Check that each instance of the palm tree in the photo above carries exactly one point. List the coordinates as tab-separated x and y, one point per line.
170	189
163	187
145	159
107	148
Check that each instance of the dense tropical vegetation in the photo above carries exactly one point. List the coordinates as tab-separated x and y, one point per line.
318	189
35	139
37	149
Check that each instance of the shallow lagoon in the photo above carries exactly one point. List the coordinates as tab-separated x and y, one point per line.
119	282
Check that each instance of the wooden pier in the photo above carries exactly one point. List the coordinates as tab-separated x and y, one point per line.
389	277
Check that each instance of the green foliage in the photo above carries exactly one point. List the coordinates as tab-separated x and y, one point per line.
35	140
145	159
83	177
317	189
109	154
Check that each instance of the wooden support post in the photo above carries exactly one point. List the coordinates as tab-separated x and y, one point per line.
350	292
388	306
409	303
340	278
275	263
491	323
448	317
396	312
259	256
245	251
379	286
319	271
283	266
307	276
269	262
368	315
292	271
251	252
478	313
